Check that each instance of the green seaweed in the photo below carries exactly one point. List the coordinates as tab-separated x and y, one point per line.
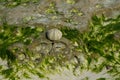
95	43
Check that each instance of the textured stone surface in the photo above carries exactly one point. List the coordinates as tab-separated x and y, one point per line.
36	14
72	15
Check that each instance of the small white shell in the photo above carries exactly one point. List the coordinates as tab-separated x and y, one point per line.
54	34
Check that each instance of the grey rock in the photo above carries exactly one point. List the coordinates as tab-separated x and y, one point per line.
35	13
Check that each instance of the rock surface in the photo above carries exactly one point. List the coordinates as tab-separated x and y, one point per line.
52	13
73	15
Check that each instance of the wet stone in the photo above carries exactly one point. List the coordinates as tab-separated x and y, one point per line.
59	48
36	13
40	47
45	48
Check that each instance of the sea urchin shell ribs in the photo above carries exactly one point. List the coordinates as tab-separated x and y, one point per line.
54	34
